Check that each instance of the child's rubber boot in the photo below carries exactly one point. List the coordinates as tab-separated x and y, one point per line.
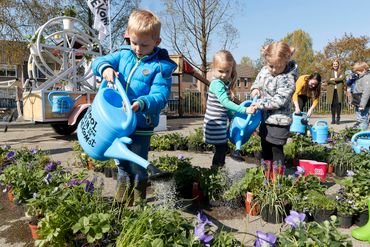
363	233
236	155
157	174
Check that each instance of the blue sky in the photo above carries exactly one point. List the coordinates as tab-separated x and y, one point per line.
324	20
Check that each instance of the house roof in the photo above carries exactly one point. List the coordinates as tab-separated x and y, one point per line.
245	70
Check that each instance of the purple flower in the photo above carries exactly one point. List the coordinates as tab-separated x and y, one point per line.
203	237
73	182
265	239
47	179
350	173
89	185
300	171
295	218
33	151
50	167
203	219
181	157
10	155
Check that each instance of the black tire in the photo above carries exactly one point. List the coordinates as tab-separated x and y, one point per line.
64	129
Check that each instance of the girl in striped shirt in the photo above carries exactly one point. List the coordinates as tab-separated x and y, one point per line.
220	106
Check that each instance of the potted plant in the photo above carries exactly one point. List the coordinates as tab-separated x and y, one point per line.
253	147
32	42
321	205
341	156
195	141
69	11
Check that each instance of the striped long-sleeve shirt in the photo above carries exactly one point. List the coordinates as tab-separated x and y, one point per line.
219	107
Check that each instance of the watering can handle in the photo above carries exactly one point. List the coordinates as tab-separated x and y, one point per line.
321	121
126	101
249	115
354	137
55	92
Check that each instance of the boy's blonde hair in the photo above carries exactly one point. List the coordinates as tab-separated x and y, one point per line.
226	56
360	67
278	52
144	22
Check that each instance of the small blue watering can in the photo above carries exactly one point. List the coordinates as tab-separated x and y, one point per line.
320	132
243	125
361	140
103	131
299	123
61	103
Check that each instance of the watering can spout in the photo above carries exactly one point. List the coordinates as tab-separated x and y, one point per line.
118	150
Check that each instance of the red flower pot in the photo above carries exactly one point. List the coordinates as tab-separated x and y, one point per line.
34	229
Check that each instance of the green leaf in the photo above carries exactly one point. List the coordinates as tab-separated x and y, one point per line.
158	243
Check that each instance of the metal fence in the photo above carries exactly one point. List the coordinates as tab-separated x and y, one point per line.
192	104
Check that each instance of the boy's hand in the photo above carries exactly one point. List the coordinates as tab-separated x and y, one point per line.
109	74
135	106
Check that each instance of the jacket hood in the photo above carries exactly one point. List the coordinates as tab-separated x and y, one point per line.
292	69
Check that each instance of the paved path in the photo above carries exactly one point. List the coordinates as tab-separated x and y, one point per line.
60	148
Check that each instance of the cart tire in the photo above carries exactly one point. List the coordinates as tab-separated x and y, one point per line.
64	128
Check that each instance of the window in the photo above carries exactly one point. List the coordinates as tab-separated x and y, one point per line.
245	82
238	82
8	70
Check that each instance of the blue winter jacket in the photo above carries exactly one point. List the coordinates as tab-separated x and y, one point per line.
146	80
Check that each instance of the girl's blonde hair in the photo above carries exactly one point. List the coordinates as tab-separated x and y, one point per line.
226	56
360	67
279	52
144	22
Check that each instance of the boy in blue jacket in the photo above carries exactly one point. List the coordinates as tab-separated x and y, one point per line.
145	71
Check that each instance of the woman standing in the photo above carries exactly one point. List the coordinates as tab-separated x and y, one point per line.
335	92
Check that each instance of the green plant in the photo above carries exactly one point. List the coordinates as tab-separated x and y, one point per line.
252	180
171	163
70	11
342	156
317	200
195	140
252	146
296	144
93	226
313	234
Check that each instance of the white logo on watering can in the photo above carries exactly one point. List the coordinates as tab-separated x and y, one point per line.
88	127
145	72
319	171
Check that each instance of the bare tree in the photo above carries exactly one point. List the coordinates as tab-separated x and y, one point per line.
190	26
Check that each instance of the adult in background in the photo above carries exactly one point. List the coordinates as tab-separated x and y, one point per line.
307	87
335	92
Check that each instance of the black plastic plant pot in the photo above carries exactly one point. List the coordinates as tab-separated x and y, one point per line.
340	171
270	215
345	221
108	172
321	215
362	218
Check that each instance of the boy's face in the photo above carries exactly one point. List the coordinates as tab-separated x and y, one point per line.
143	44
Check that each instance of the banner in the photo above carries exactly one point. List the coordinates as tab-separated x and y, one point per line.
100	9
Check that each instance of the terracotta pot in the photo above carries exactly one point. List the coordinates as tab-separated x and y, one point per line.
252	208
10	195
330	168
34	229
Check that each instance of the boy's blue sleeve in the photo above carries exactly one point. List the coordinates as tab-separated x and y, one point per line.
101	63
160	89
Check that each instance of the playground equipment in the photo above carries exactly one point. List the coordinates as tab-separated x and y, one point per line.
61	53
299	123
363	233
361	140
320	132
103	131
243	126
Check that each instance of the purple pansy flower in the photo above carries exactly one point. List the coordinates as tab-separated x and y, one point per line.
73	182
202	218
50	167
265	239
34	151
10	155
350	173
203	237
300	171
181	157
89	185
295	218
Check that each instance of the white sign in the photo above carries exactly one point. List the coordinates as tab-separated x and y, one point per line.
100	9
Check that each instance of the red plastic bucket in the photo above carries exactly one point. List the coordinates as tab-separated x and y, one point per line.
314	167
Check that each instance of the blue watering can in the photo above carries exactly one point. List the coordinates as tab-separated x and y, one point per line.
299	123
320	132
361	140
103	131
61	103
243	126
